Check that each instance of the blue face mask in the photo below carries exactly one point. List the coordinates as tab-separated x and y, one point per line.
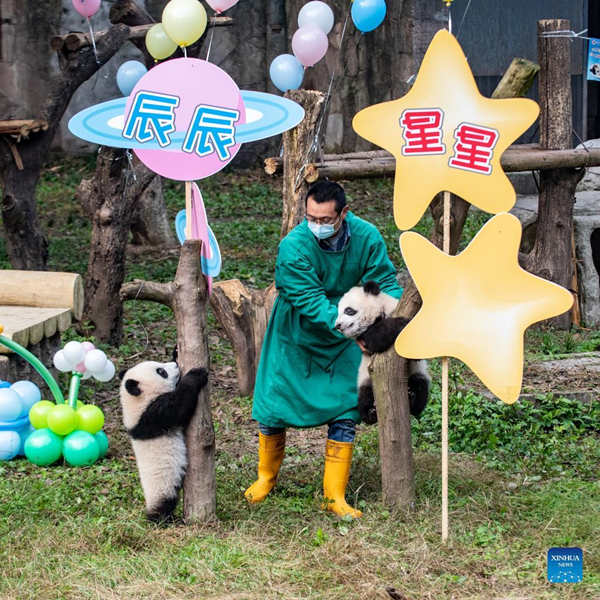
321	231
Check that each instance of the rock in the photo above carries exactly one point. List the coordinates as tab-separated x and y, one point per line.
591	179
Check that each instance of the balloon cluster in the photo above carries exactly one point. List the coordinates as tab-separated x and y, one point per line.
72	430
183	23
15	402
368	14
61	430
84	359
309	44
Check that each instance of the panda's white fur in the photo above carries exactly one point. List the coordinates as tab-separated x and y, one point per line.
157	406
364	313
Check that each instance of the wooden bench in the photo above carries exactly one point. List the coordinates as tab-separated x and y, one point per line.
35	308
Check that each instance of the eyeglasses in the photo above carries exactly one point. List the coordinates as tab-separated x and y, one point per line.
323	220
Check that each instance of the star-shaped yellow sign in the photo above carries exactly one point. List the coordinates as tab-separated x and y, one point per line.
446	136
477	305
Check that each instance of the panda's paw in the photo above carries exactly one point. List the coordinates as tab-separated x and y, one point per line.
368	415
198	375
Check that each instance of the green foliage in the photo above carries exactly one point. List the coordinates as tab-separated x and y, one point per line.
547	436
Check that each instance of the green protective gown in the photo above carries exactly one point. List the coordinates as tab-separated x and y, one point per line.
307	371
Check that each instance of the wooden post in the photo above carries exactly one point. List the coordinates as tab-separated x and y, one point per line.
244	314
390	388
296	146
189	305
446	249
551	257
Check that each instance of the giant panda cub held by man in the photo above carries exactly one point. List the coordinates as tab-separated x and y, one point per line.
364	314
157	407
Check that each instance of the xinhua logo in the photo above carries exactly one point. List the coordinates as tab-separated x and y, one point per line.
565	565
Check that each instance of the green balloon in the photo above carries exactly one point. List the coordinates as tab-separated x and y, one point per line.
38	413
43	447
80	449
90	418
102	440
62	419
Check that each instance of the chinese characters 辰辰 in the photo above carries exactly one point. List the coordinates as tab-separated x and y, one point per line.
211	129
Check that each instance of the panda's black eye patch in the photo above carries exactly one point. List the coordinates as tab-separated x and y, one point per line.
349	311
162	372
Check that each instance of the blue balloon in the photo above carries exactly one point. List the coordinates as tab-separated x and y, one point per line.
10	444
368	14
286	72
29	393
129	73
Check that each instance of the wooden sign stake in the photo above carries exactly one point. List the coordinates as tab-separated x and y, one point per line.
446	248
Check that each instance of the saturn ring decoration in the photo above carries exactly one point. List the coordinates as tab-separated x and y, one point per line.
186	119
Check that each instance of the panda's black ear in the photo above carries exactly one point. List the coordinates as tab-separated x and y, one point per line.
122	373
371	287
132	386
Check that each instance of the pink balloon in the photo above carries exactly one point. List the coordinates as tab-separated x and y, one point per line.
86	8
309	45
87	346
80	368
220	5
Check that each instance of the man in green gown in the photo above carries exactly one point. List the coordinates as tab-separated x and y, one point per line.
307	372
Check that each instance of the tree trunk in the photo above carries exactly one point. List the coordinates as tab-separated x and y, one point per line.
189	305
26	245
111	196
150	226
244	314
296	145
25	242
187	296
552	254
390	387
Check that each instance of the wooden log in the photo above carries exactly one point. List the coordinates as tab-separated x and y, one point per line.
76	40
244	314
297	143
513	160
551	256
189	306
44	289
22	127
390	387
517	79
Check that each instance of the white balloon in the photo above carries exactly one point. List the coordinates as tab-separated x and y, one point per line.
73	352
316	13
107	374
95	361
61	363
86	375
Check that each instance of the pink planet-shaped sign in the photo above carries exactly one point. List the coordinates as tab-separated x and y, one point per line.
191	101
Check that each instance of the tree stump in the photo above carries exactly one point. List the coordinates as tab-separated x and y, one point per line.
244	314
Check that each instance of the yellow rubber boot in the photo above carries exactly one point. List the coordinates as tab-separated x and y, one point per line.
271	449
338	458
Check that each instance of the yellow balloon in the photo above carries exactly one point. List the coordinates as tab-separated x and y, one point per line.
159	44
184	21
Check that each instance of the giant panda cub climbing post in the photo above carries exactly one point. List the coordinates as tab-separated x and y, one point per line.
157	407
364	314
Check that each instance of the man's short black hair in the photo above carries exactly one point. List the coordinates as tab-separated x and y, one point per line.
326	191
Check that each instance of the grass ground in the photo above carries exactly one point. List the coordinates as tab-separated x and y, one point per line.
522	478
